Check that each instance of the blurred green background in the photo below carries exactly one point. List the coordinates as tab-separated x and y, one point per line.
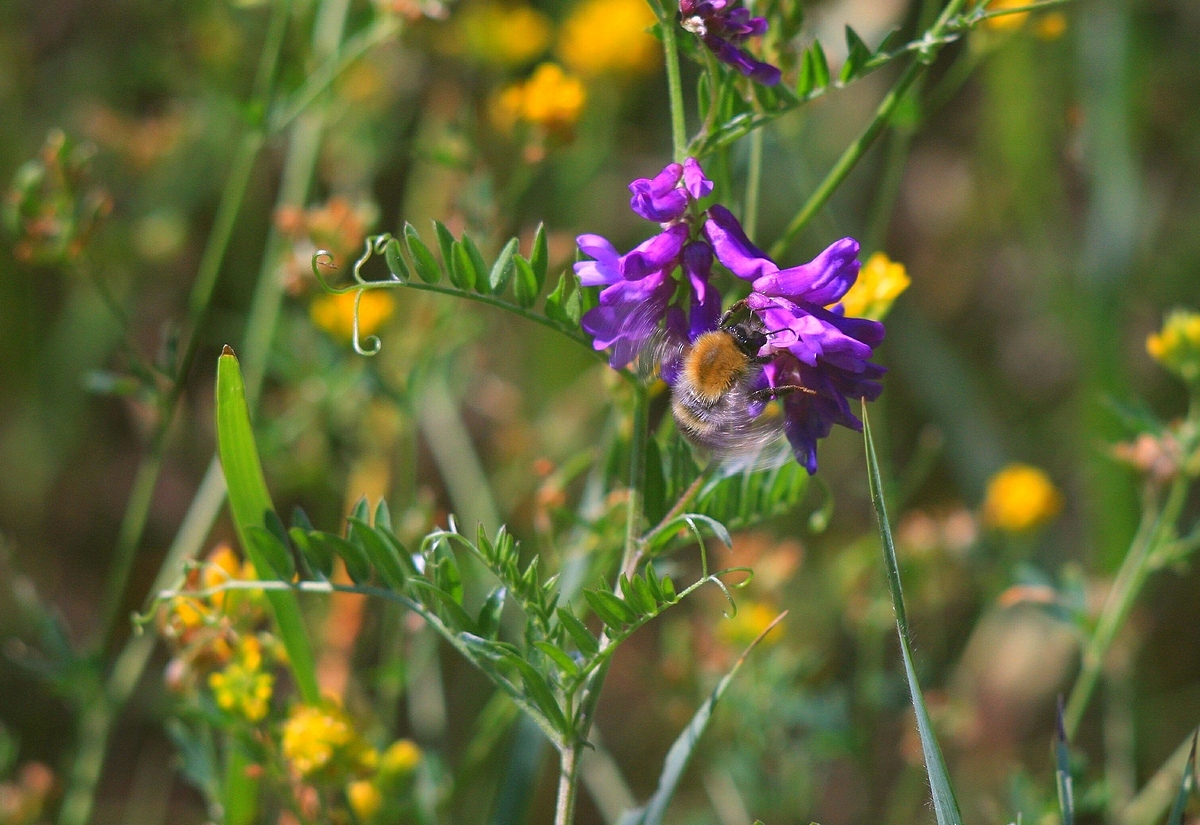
1046	206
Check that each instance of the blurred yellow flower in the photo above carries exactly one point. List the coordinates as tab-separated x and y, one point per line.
550	98
1051	26
603	36
880	282
750	620
1006	22
242	688
320	739
502	34
335	313
1020	498
1177	345
365	799
401	757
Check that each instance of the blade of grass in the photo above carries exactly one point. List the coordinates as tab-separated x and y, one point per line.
1062	770
1186	785
681	751
945	806
250	502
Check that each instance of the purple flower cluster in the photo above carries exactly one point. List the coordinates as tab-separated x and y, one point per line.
724	27
664	284
640	289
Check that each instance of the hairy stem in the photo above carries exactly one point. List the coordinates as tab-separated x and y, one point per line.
568	786
855	151
679	140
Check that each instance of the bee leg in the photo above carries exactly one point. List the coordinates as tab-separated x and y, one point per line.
733	310
767	393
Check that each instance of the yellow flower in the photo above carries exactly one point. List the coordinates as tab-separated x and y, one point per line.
1006	22
242	688
507	35
400	759
365	799
880	282
550	98
603	36
335	313
1020	498
223	566
750	621
1177	345
320	739
1051	26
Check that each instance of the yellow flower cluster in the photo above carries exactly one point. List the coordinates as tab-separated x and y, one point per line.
879	284
603	36
1020	498
368	796
1177	345
335	313
320	740
243	688
504	35
550	99
1050	26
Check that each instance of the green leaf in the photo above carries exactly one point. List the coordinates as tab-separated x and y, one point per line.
1062	771
540	693
445	245
423	260
525	285
1187	785
502	269
489	614
945	806
380	554
249	502
352	553
636	599
477	263
362	510
857	54
267	546
563	304
611	610
395	260
383	516
462	269
539	256
820	65
452	608
577	630
446	575
685	744
560	657
316	556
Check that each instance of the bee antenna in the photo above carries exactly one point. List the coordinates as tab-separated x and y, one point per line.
774	331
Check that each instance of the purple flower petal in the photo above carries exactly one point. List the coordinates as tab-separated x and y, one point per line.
694	181
821	281
654	254
606	269
627	316
733	248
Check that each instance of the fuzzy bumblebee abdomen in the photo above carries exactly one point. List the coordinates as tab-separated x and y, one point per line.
713	365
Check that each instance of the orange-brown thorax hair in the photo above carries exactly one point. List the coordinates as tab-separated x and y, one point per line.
714	364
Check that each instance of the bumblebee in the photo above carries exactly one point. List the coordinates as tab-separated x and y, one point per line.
718	394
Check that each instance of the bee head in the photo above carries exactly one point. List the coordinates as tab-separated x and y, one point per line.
748	340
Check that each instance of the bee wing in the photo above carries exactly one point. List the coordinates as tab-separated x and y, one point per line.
662	347
757	444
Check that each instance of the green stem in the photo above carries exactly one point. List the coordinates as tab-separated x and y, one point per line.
679	140
855	151
753	184
1131	576
568	786
637	476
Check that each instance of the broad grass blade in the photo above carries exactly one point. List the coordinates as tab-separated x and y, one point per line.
1186	785
681	751
945	806
250	502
